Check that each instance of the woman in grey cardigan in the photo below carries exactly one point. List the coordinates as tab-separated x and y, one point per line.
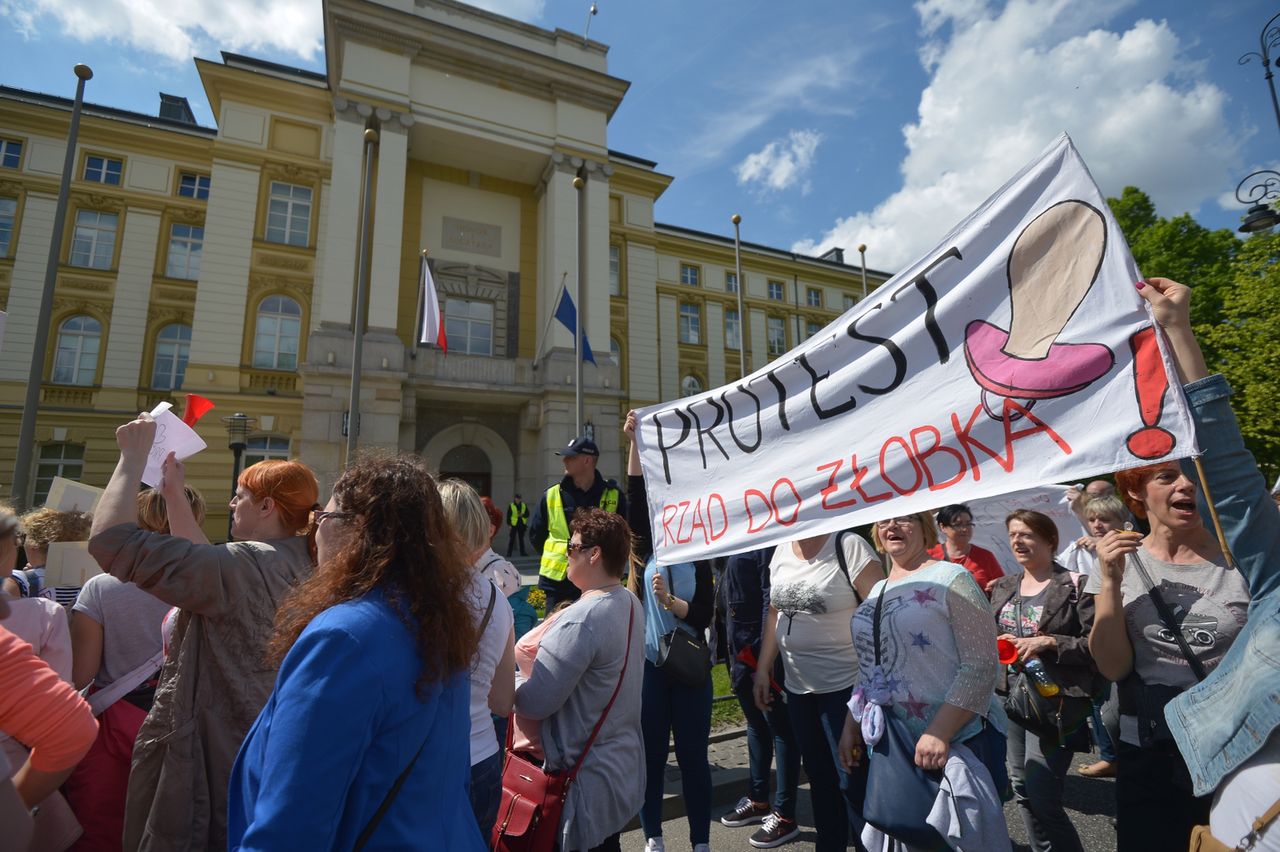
579	663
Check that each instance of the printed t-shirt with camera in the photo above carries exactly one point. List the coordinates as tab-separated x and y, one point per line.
814	603
1210	604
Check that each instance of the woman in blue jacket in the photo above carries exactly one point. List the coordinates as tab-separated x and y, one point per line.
364	743
675	597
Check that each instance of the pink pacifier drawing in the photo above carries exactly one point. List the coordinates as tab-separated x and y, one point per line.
1052	265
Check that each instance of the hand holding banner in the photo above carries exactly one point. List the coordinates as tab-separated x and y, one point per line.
1014	355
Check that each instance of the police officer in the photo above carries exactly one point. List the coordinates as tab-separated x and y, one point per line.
517	519
582	486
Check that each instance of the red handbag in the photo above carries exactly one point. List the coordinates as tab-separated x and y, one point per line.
532	797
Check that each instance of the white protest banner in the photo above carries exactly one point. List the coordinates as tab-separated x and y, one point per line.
172	436
66	495
1018	353
989	514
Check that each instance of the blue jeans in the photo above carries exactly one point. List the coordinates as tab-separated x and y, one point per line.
670	708
1101	733
769	737
817	719
486	792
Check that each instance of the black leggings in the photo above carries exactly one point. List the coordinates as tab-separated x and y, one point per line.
1155	808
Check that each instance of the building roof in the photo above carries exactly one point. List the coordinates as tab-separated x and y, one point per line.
113	113
706	236
631	158
275	68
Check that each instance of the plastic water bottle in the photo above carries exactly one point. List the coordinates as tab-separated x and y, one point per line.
1039	675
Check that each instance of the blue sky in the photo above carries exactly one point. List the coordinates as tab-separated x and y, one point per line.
823	122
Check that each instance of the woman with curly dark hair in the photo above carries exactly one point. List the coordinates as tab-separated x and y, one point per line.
365	738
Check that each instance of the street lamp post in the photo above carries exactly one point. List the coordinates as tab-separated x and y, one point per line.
1258	190
238	426
27	428
1268	40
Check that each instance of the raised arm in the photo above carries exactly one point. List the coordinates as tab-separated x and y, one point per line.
182	521
119	502
206	579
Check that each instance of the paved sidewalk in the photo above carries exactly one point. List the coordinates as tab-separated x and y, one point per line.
1090	805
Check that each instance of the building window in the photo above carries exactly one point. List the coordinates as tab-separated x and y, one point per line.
690	275
690	385
266	448
10	153
690	323
8	214
469	326
731	282
65	460
193	186
813	297
615	270
732	329
289	214
776	332
185	244
94	243
276	335
775	290
173	347
103	170
76	360
811	328
849	302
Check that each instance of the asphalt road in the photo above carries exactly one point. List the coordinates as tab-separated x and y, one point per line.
1090	804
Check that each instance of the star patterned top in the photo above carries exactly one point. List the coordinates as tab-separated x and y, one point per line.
937	646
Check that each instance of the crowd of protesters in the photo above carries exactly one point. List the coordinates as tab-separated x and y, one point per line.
366	674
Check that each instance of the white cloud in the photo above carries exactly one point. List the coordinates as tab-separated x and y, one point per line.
782	163
179	29
1006	81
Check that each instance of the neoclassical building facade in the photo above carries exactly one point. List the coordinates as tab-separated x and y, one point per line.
222	260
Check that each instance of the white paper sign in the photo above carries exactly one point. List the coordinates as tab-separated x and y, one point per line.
989	514
68	563
66	495
1016	354
172	436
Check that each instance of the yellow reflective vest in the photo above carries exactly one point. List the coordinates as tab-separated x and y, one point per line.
555	550
517	514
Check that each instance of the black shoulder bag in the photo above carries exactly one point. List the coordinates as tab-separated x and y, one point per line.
1148	700
899	793
1058	719
683	656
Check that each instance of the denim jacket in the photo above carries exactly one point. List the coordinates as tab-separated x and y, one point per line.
1222	721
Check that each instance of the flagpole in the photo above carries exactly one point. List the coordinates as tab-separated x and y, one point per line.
862	251
580	185
742	319
362	296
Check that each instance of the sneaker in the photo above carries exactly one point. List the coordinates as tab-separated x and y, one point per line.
775	832
654	844
746	813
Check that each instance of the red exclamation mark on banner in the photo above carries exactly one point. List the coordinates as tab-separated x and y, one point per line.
1151	384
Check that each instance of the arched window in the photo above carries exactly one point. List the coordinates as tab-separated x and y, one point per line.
173	347
276	335
76	360
690	385
615	351
264	448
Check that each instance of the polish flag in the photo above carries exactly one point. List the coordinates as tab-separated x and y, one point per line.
432	316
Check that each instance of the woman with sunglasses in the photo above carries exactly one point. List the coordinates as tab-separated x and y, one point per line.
586	656
365	738
938	666
214	681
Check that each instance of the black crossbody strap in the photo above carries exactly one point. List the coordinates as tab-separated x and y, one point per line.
875	624
488	613
1166	615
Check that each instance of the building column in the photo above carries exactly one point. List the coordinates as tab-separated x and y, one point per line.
558	252
388	221
596	308
222	291
669	356
335	280
714	335
26	286
122	367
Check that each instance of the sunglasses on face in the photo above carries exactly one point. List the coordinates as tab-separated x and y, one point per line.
318	515
577	547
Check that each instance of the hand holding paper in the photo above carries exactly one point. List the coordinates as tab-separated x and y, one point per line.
168	435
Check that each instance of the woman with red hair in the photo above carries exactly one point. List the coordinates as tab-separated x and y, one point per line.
215	680
1167	607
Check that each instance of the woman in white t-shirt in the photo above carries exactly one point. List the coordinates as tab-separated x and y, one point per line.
813	593
493	670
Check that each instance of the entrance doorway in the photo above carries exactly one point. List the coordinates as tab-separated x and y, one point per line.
470	464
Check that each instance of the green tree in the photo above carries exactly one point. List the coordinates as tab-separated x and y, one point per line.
1182	249
1247	347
